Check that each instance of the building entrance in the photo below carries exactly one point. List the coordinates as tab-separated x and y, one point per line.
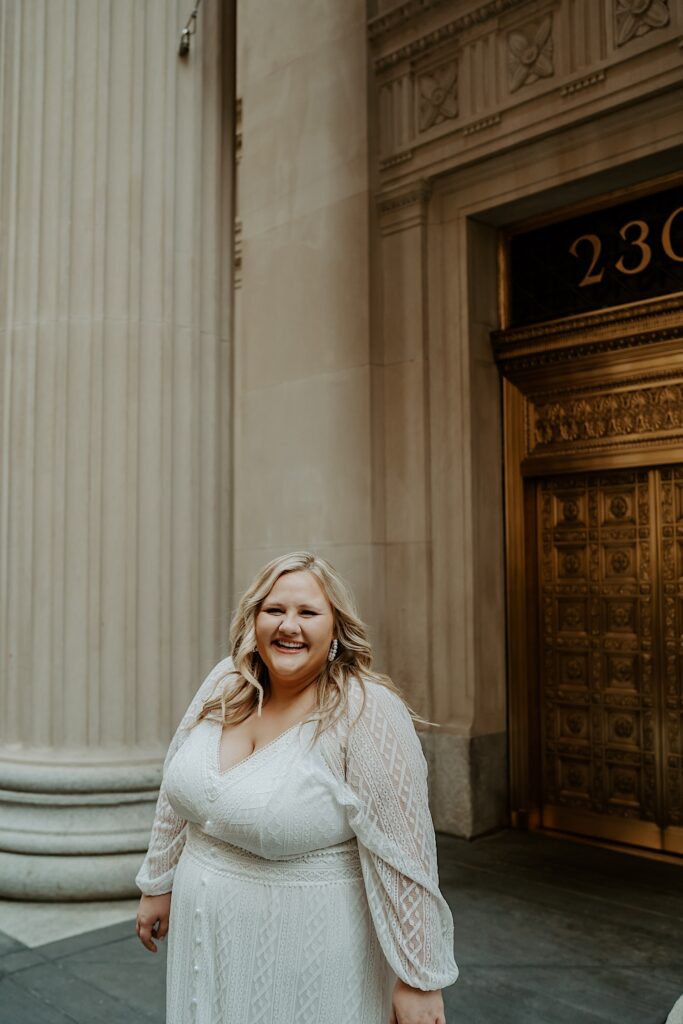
609	601
593	436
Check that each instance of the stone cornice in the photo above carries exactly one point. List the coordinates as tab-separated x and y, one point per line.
399	16
415	195
415	47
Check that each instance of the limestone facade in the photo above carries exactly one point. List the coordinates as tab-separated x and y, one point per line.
484	114
202	369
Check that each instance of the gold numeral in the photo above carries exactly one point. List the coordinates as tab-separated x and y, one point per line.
640	243
594	241
666	237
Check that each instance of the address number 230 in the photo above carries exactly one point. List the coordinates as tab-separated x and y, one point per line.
636	233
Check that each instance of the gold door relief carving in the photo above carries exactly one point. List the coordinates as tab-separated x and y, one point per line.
596	650
671	555
606	416
611	649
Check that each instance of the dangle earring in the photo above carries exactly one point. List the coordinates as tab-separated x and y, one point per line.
333	651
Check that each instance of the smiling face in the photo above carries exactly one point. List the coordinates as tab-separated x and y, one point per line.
294	629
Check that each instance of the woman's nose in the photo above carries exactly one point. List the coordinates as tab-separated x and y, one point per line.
290	623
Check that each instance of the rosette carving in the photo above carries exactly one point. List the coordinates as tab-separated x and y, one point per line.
637	17
530	54
438	95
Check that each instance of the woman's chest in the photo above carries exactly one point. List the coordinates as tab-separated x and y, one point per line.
278	801
238	742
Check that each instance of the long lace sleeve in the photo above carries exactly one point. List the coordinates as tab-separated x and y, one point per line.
169	830
386	782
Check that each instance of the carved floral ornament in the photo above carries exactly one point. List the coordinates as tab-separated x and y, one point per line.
438	92
530	54
637	17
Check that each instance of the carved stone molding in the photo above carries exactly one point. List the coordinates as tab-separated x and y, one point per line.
530	53
438	95
415	195
399	16
396	158
418	47
636	18
481	124
582	83
424	43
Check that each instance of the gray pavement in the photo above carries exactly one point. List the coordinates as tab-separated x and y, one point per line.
547	932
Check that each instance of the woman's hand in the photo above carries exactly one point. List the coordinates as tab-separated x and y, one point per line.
152	919
413	1006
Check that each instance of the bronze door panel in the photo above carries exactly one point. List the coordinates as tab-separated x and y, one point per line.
611	640
670	504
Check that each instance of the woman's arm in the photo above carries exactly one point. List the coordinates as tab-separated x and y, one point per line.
167	838
386	773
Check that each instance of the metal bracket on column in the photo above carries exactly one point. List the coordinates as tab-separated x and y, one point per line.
188	32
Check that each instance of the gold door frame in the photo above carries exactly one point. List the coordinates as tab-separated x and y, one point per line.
626	361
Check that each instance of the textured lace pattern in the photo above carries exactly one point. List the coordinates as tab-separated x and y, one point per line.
336	864
386	772
290	810
169	829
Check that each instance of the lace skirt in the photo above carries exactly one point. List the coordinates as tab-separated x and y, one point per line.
253	941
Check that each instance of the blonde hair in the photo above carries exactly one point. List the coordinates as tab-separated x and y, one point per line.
248	679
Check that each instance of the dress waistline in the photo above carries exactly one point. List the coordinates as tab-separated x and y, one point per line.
339	863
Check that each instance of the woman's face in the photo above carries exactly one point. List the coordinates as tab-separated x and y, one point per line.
294	628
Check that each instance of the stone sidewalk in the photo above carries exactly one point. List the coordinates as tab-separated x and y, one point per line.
547	932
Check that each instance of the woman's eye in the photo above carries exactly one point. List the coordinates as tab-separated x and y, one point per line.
309	613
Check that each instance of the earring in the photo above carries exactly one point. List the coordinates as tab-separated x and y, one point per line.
333	651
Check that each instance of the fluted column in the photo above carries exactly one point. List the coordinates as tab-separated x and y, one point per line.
115	281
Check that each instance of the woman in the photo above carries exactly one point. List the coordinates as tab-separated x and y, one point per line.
293	829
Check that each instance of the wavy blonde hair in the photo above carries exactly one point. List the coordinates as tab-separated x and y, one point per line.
248	679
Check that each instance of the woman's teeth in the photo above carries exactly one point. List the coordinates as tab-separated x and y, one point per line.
289	646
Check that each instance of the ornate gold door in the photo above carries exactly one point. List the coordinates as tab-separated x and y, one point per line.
610	600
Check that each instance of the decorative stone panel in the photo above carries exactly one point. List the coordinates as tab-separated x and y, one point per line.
438	95
636	18
530	54
455	80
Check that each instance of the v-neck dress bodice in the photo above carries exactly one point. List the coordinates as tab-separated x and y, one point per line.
278	802
304	877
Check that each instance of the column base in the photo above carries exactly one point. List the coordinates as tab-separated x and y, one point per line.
468	782
74	832
64	878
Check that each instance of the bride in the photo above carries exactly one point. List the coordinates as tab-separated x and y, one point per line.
292	859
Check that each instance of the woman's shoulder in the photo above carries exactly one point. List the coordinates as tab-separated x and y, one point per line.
369	698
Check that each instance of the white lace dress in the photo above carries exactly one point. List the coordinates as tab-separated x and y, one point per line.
304	878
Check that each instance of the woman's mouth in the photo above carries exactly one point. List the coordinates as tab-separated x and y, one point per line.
289	646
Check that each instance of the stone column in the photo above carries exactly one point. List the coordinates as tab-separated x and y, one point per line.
115	205
303	466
